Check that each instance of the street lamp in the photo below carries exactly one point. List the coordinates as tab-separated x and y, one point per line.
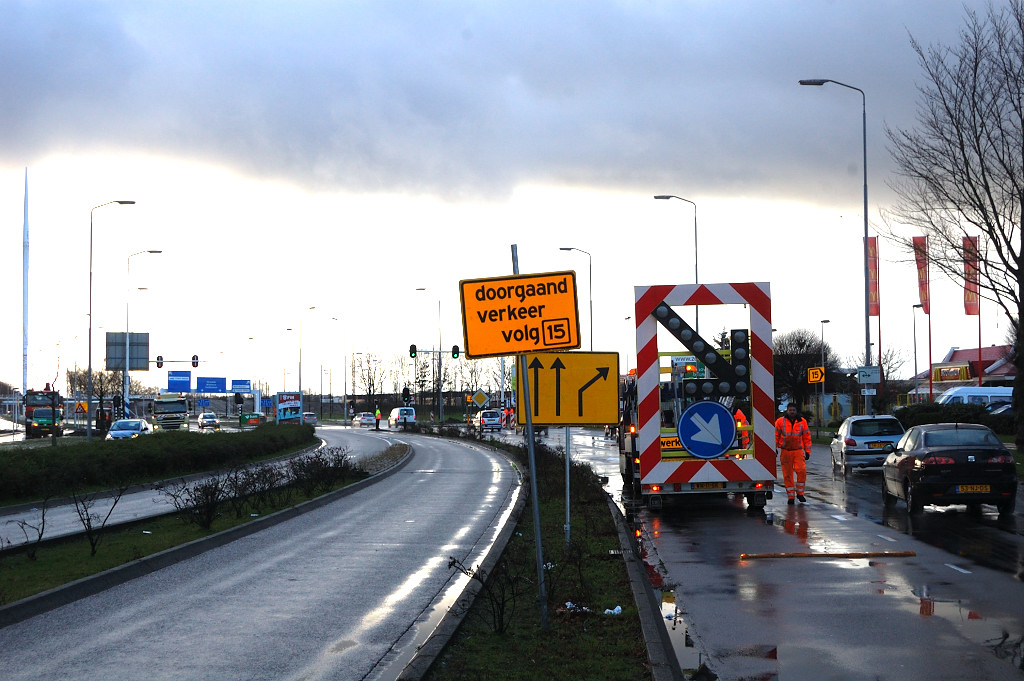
88	397
301	407
821	406
127	345
590	288
696	279
913	311
867	284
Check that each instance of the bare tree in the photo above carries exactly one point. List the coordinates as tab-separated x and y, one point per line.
796	352
93	523
961	168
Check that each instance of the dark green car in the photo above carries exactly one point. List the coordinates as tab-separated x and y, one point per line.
42	423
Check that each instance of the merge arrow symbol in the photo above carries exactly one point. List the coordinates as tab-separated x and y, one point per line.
602	374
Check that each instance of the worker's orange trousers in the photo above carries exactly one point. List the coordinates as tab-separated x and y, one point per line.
792	461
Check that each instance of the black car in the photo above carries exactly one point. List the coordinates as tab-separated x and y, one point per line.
950	463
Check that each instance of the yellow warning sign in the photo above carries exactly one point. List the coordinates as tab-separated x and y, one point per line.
520	314
572	388
670	443
816	375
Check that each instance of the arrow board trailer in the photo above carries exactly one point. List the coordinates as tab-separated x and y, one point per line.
681	437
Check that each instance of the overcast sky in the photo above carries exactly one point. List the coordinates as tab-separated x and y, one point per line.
341	155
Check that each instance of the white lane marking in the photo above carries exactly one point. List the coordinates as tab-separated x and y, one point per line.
886	538
958	569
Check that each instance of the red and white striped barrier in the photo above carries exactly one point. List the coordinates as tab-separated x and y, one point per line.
653	469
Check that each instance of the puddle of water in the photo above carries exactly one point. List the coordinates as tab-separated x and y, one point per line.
685	646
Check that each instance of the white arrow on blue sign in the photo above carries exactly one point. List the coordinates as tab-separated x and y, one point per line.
706	429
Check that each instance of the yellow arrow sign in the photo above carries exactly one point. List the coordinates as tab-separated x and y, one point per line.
515	315
816	375
571	388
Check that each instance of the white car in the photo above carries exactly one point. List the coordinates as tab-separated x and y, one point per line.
401	415
363	418
488	419
209	420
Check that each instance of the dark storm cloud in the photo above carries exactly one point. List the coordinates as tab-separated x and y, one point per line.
461	98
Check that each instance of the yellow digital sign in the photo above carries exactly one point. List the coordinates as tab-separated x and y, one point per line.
519	314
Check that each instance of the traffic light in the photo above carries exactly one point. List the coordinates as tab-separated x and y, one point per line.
405	395
739	345
455	351
412	350
239	399
195	360
159	361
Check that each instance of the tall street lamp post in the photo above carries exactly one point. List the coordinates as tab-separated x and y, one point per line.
821	406
88	397
590	288
127	345
867	285
696	279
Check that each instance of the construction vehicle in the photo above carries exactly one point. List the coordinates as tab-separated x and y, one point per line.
170	412
44	413
678	434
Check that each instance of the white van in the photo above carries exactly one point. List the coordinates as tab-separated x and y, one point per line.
976	395
401	415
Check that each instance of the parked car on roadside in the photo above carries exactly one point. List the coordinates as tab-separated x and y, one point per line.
209	420
950	463
126	429
861	440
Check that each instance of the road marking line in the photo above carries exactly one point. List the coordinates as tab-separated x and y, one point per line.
886	538
841	518
958	569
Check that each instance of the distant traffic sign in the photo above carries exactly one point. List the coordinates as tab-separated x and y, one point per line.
516	315
816	375
707	429
572	388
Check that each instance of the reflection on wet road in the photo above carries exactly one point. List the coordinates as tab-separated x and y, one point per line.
863	592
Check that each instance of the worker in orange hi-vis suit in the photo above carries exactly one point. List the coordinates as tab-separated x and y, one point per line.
793	441
744	436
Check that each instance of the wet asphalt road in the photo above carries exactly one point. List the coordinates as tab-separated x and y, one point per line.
954	610
344	591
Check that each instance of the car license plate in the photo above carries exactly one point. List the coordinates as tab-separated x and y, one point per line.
876	445
709	485
972	489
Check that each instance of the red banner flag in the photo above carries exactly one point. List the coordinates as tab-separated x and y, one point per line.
921	256
972	295
873	300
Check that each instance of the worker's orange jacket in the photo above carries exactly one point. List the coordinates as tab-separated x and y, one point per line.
792	435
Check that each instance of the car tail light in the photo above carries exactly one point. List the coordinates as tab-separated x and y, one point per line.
850	442
936	460
1002	458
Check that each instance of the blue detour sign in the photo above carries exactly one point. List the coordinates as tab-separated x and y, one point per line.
706	429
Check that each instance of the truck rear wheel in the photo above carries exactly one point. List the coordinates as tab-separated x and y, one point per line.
756	501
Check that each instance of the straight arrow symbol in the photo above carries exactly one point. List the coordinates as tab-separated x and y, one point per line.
602	373
536	365
558	366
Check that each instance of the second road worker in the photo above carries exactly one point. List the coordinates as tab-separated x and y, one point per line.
793	441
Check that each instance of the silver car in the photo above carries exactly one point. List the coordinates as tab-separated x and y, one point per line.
125	429
861	441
